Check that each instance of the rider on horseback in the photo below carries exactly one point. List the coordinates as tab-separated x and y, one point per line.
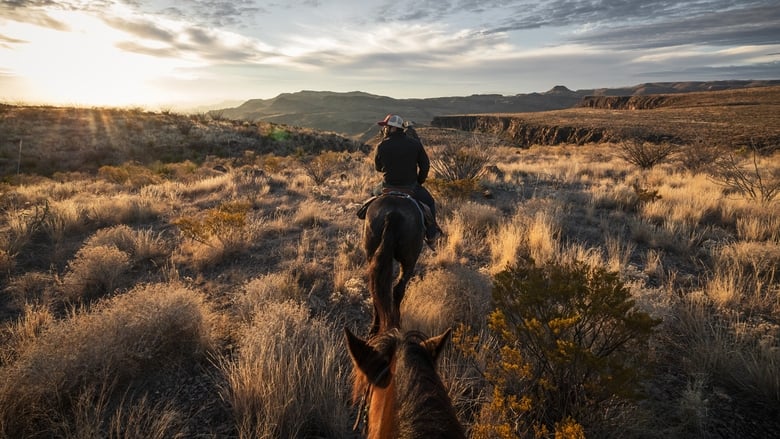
404	164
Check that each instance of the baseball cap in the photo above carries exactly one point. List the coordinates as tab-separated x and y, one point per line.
393	120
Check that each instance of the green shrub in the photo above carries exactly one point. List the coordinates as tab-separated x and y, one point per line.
131	174
224	222
571	347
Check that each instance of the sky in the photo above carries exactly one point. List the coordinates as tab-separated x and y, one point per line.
190	53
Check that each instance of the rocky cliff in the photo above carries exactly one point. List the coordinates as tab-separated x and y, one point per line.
739	118
526	133
645	102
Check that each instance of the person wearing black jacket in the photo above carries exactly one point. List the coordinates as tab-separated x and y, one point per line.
404	164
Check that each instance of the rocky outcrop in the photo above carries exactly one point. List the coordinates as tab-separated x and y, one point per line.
522	132
647	102
525	133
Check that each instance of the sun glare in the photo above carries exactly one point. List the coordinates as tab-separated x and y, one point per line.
84	66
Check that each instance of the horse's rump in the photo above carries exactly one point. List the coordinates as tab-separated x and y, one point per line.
393	231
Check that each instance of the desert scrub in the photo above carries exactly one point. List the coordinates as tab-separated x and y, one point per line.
94	272
216	234
277	392
644	154
572	347
444	298
322	166
755	177
142	245
129	174
457	170
142	332
457	162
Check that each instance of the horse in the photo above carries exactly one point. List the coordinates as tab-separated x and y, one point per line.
393	231
394	375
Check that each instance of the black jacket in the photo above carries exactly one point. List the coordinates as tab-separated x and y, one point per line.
402	160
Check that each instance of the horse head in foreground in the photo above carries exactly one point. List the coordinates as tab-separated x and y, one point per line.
394	229
395	377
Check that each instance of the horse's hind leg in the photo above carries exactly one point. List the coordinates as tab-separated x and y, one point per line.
399	290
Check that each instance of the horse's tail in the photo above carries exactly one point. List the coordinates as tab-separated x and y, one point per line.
381	272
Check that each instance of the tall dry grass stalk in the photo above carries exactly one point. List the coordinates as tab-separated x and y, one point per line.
289	378
745	274
348	263
21	225
504	244
738	354
256	294
619	253
691	201
573	253
758	226
543	237
19	335
93	414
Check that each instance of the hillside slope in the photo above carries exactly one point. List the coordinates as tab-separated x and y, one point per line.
44	140
354	113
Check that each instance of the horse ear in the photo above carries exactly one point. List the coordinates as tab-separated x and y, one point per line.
366	358
435	345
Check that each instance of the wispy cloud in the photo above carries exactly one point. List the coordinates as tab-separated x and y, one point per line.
616	23
182	39
216	14
33	12
752	24
6	39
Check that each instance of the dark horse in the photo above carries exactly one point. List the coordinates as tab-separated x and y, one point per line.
395	377
393	230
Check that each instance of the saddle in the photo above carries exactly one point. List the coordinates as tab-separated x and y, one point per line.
398	192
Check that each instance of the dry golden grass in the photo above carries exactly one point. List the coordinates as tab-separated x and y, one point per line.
445	298
504	244
273	390
258	293
124	338
702	259
93	273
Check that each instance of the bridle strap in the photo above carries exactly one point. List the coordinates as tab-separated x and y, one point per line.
365	402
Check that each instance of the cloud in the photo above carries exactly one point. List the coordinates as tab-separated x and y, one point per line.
9	40
753	71
31	12
651	23
141	28
750	25
394	46
182	39
238	13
